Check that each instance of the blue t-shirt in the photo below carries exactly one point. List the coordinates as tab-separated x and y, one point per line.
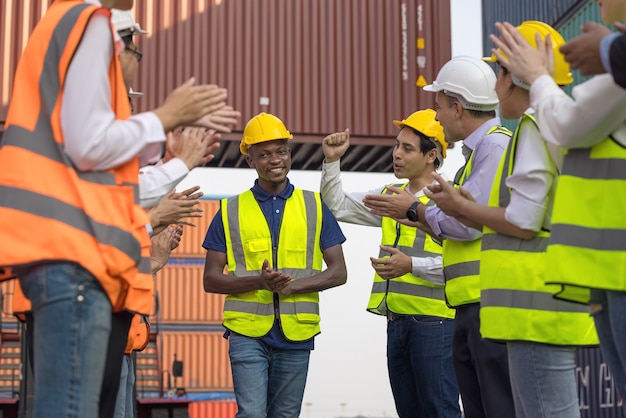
273	207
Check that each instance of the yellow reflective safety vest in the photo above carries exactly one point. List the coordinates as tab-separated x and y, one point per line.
587	249
249	243
515	302
408	294
49	210
461	259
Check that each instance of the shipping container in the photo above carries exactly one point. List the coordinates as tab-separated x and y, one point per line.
182	299
212	409
191	242
206	366
597	391
516	12
320	65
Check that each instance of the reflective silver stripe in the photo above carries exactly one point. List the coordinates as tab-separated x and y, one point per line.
302	308
525	299
467	268
268	309
49	207
311	216
509	243
232	211
415	251
410	289
578	163
248	307
40	142
50	81
144	265
591	238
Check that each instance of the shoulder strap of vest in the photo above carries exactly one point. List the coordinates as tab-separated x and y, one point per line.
498	129
398	185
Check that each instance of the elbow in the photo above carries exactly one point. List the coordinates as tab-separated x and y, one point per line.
208	287
341	276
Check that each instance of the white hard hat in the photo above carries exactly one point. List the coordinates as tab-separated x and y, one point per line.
124	23
468	79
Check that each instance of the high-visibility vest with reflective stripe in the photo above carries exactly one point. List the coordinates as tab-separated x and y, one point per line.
587	249
461	259
515	302
408	294
249	243
49	210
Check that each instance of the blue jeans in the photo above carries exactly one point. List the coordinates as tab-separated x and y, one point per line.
124	404
72	321
543	380
419	361
267	382
611	328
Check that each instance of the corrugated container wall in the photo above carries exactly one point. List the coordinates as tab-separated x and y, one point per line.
17	20
518	11
321	65
212	409
206	367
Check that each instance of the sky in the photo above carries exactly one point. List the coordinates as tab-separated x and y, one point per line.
348	367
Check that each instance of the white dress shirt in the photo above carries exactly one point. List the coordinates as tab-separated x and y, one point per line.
598	108
532	181
155	181
94	139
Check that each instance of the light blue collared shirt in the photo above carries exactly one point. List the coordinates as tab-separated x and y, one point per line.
488	150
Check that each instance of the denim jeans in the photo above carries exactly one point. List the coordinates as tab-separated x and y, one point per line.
124	405
543	380
611	328
481	367
267	382
419	361
72	321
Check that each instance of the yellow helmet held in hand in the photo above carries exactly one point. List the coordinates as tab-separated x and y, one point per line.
528	29
424	121
262	128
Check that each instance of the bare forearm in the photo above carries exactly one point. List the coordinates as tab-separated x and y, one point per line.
331	277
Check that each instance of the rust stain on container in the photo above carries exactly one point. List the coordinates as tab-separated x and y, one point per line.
212	409
182	298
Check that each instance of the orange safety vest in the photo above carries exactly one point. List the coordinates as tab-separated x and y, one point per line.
49	210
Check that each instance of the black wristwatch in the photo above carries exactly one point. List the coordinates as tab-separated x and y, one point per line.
411	213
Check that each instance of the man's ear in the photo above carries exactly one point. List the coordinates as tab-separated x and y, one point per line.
250	161
432	155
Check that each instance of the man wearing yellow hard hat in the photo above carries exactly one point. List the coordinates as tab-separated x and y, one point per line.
272	239
516	306
408	279
586	253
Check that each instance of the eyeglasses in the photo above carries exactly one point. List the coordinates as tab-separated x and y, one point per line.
138	54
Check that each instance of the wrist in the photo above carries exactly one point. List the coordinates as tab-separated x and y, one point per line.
412	213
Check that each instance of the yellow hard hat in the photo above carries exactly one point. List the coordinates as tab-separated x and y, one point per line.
424	121
262	128
562	75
